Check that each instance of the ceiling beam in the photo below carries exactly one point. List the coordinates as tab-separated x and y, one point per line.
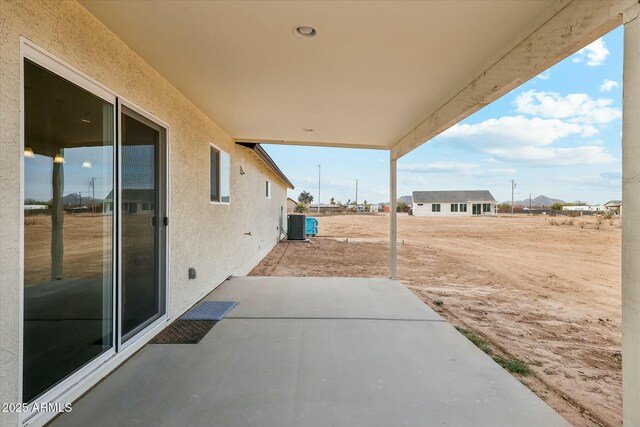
571	28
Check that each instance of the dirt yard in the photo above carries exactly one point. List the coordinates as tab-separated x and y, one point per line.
544	290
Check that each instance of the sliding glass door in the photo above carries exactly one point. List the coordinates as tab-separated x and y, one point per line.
143	222
95	222
68	235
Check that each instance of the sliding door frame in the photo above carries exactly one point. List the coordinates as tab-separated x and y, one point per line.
150	120
33	53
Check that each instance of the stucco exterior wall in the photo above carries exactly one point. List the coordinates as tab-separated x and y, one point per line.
206	236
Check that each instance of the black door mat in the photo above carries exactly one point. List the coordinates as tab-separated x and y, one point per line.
184	332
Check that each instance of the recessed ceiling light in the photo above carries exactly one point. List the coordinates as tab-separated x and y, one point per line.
305	30
28	152
86	120
307	130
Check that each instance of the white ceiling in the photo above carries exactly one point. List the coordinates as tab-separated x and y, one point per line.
372	73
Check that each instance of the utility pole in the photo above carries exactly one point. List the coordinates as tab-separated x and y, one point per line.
92	184
513	188
318	189
356	196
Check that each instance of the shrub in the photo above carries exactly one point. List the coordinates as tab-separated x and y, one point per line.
512	365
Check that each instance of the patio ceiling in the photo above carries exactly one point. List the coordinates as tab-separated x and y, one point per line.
387	75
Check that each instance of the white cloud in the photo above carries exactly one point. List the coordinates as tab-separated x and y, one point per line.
437	167
576	107
556	156
596	53
544	76
527	140
576	60
607	85
608	180
509	130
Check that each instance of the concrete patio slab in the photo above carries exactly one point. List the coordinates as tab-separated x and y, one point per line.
323	371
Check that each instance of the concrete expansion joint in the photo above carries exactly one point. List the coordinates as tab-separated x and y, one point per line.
384	319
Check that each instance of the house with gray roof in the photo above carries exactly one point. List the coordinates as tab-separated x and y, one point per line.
439	203
614	206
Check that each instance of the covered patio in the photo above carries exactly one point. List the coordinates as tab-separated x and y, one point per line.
315	352
227	75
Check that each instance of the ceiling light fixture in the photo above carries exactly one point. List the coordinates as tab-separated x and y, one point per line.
306	31
58	159
86	120
28	152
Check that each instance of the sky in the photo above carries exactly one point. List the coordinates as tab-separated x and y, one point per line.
557	135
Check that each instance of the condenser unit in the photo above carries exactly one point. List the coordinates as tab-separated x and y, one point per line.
296	227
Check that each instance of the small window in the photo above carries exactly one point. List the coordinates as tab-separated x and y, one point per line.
435	207
454	207
267	189
220	170
463	207
420	204
486	207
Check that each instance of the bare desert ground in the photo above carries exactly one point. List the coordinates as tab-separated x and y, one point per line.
544	290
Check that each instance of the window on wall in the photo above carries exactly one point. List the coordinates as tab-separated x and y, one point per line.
454	207
486	207
463	207
267	189
220	179
435	207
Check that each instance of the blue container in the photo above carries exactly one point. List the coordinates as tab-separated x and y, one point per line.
312	226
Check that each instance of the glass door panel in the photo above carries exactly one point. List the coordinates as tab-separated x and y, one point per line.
142	229
68	229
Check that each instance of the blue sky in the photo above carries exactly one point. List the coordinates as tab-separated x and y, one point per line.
558	134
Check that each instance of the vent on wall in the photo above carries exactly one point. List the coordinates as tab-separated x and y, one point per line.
296	227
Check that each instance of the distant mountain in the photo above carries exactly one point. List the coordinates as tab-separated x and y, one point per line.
75	199
407	199
538	201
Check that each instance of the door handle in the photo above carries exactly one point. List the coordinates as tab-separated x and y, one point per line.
166	221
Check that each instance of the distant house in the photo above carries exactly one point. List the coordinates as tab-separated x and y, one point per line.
440	203
585	208
614	206
134	201
327	208
291	204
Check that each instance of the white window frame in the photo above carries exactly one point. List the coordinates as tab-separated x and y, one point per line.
220	152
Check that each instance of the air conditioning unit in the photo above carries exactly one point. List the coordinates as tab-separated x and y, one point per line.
296	227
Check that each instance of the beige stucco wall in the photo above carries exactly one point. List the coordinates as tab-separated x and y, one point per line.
206	236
